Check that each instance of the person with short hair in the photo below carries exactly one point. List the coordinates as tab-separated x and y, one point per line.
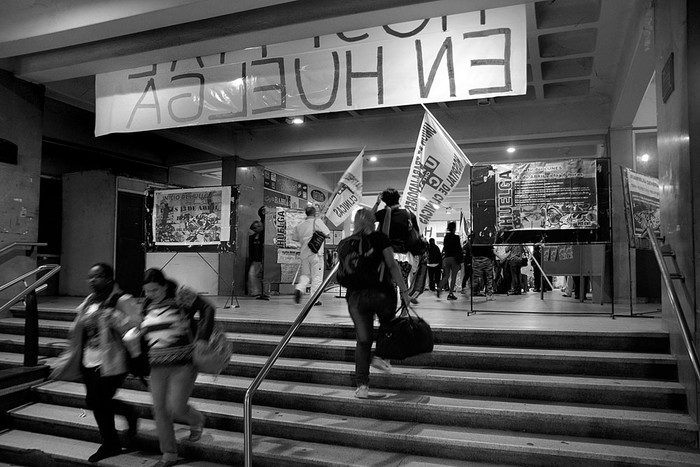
312	264
97	353
452	258
256	245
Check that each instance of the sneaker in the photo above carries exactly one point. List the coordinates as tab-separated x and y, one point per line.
362	391
318	303
490	297
414	300
437	293
380	364
297	296
262	297
166	462
451	296
105	451
196	433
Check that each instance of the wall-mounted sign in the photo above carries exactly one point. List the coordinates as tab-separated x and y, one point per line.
472	55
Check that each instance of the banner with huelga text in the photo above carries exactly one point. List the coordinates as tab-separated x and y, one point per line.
472	55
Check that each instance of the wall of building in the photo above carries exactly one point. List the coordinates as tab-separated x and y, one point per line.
21	108
678	121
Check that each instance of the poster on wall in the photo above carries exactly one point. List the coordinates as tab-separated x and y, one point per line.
546	195
192	216
644	199
283	191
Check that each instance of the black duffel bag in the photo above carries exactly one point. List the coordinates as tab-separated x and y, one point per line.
404	336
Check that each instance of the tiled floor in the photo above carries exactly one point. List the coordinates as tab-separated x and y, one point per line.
527	311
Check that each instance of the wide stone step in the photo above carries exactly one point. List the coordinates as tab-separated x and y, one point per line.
662	427
620	392
505	359
217	447
418	439
500	359
647	342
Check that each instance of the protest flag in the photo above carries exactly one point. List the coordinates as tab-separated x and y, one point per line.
348	193
437	167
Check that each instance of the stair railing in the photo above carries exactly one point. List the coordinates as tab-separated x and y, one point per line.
14	245
247	402
31	320
675	303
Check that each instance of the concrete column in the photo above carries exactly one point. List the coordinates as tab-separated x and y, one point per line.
621	155
21	123
248	177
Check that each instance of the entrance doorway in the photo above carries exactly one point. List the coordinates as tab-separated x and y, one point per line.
130	260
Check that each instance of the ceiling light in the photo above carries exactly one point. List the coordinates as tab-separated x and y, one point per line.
644	157
511	149
373	159
295	120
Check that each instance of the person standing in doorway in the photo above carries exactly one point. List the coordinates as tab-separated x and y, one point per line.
311	268
452	258
434	264
256	245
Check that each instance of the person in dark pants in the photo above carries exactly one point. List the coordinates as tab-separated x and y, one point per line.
377	296
434	264
96	352
255	257
467	266
452	252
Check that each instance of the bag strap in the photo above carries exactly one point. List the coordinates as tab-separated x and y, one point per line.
387	221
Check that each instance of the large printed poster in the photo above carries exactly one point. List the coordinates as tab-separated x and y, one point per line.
192	216
644	200
546	195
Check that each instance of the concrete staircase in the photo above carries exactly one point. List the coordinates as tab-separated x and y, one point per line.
483	397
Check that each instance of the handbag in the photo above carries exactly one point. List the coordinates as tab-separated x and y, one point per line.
215	355
404	336
317	240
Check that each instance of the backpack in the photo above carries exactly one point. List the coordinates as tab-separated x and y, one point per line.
415	242
358	267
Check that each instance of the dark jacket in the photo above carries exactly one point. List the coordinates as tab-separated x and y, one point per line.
434	254
401	219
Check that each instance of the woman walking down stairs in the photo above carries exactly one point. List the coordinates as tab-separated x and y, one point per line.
497	390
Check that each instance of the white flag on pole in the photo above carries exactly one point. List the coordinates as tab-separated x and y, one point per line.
437	167
347	194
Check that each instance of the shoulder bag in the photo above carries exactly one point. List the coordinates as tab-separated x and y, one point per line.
404	336
317	239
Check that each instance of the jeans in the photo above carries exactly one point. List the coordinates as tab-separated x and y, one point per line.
99	397
434	276
171	387
311	270
363	304
483	271
255	275
451	268
516	284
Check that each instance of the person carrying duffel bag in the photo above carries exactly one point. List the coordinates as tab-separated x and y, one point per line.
366	268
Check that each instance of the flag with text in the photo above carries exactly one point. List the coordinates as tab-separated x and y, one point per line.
348	193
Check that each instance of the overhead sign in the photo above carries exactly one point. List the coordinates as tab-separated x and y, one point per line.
471	55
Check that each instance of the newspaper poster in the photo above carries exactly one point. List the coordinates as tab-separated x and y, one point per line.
644	199
192	216
546	195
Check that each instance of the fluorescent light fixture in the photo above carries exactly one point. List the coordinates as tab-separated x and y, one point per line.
511	149
295	120
373	159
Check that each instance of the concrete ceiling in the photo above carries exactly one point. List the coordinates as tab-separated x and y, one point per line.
589	64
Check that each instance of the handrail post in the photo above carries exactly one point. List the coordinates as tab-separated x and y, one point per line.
31	330
248	399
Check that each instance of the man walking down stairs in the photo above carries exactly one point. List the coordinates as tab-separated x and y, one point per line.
497	390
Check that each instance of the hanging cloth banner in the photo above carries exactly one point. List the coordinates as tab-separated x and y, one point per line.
348	193
437	166
471	55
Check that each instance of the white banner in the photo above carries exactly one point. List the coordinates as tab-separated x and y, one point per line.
348	193
471	55
192	216
437	166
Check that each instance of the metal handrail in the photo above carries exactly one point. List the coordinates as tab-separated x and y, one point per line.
18	244
675	304
52	268
247	402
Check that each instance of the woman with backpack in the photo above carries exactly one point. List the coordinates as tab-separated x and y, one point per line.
368	268
171	334
97	354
